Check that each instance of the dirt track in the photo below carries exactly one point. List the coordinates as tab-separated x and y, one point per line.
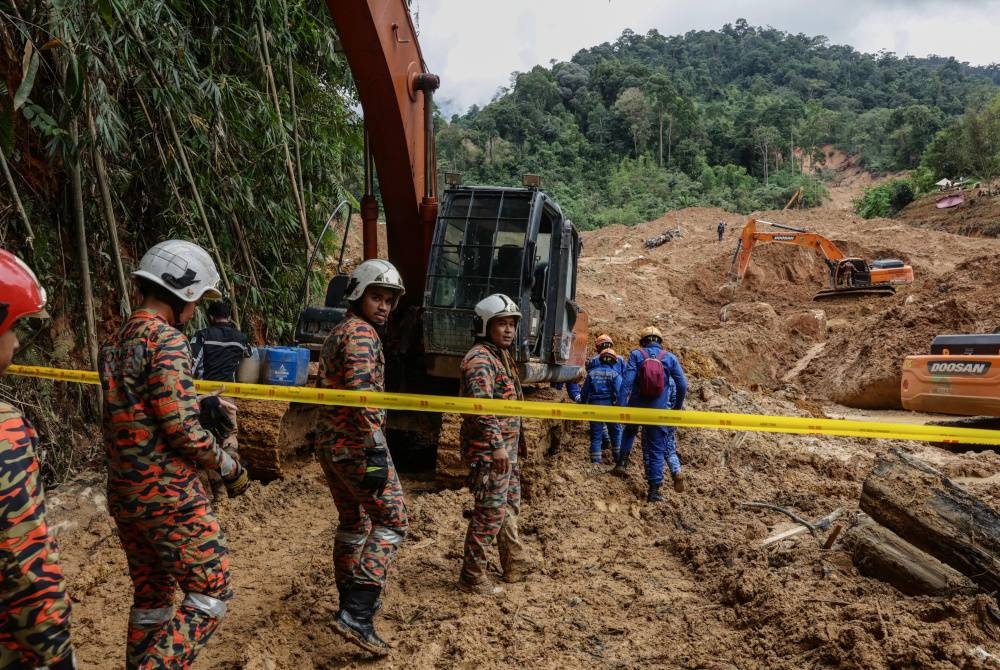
683	584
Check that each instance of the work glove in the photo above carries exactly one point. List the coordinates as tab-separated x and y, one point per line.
234	476
216	417
479	481
376	471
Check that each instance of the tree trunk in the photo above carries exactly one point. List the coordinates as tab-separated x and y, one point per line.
29	233
182	154
83	257
109	214
880	553
661	138
166	169
289	165
925	508
670	132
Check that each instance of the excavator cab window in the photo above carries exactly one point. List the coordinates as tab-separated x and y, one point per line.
478	250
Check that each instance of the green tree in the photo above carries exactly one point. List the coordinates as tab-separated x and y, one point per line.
633	107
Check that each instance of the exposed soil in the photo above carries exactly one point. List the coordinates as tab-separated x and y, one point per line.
681	584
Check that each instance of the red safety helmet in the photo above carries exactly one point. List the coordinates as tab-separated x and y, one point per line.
20	293
609	355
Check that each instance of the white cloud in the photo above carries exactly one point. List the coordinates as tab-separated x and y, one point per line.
475	45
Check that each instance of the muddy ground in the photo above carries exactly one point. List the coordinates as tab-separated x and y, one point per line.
624	584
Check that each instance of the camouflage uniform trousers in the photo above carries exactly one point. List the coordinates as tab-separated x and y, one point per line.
185	549
370	528
34	607
493	502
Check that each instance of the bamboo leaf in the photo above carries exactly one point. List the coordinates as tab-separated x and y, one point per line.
29	68
105	10
74	85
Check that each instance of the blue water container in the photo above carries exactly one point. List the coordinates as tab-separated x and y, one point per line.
286	366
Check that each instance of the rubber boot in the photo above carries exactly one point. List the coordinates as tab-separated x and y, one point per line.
342	590
654	494
621	467
514	559
354	620
680	482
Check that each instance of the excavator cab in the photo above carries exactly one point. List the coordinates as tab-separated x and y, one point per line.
514	241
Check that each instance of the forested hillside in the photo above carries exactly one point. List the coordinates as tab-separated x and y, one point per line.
626	131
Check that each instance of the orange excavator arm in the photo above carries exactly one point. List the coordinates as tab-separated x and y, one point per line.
750	237
395	91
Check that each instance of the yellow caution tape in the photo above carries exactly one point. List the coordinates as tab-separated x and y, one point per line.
565	411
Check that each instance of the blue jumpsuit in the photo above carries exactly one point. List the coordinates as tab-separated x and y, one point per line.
603	386
592	363
657	441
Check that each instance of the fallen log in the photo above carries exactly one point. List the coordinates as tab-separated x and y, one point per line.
924	507
879	553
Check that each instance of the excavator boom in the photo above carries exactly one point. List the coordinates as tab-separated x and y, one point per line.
394	88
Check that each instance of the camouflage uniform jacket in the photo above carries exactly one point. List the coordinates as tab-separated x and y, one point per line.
153	438
351	359
488	372
34	609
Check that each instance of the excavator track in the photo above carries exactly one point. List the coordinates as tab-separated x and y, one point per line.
880	291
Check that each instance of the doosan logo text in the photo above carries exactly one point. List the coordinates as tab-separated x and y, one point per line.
953	368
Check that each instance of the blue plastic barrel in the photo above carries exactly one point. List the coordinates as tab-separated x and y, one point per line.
286	366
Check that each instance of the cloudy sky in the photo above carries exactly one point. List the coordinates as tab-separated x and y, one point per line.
475	45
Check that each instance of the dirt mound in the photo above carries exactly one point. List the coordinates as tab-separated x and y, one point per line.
978	216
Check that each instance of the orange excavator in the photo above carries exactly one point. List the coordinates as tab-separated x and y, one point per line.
451	253
848	276
960	376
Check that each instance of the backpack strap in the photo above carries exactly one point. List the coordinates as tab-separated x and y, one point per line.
662	356
645	354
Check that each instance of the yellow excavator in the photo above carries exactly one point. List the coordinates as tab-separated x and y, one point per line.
848	276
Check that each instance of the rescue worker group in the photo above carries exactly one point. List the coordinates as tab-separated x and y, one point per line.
158	434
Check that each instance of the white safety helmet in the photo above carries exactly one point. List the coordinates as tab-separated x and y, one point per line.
183	268
374	272
491	307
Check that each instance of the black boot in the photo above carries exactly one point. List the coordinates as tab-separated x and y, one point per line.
654	494
354	620
342	590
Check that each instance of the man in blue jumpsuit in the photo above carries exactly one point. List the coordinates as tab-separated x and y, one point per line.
603	386
657	441
601	343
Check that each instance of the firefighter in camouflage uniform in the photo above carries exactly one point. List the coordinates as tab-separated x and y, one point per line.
491	444
34	609
352	449
155	442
